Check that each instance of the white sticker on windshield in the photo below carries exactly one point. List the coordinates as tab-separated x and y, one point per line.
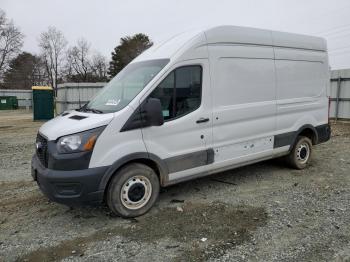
112	102
165	113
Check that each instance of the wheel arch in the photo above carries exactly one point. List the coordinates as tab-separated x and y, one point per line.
290	138
308	131
305	130
153	161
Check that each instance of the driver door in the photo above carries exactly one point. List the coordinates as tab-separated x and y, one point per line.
184	141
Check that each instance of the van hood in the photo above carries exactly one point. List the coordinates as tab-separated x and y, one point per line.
71	122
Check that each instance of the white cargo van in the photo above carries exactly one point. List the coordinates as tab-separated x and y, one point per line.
198	104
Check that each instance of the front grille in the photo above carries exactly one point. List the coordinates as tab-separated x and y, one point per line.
41	150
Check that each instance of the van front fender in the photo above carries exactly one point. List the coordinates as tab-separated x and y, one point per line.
135	157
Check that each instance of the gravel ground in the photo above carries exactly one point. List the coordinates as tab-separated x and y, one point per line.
262	212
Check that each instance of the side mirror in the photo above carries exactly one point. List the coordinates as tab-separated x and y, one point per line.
148	114
151	112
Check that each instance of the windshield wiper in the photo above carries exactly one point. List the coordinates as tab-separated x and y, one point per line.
84	108
81	109
93	110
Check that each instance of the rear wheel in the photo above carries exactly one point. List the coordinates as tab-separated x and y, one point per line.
300	155
133	190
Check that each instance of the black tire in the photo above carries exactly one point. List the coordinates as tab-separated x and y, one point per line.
133	180
300	155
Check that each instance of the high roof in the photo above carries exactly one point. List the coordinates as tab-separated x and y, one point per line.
169	47
232	35
247	35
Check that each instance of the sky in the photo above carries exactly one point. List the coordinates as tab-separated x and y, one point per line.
104	22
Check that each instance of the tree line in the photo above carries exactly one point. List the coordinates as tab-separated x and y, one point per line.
57	61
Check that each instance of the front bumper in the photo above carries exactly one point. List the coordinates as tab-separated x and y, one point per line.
69	187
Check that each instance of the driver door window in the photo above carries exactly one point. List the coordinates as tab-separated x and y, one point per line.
180	92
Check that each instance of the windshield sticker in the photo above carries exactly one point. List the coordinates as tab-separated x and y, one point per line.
165	113
112	102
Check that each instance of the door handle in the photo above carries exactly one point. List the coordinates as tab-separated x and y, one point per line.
202	120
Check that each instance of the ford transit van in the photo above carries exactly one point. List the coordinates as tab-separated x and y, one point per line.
198	104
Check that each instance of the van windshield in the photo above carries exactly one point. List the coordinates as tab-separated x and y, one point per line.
123	88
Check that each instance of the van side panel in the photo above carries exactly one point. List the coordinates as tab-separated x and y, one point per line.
244	106
301	88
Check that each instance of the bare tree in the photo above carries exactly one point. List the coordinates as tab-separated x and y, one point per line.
2	18
11	42
100	66
52	44
78	60
83	65
40	76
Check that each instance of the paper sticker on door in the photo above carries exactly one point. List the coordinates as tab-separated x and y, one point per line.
3	101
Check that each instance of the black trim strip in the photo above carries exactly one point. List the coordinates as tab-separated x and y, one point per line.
285	139
191	160
165	166
322	134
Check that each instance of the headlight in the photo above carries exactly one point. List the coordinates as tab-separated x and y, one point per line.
70	143
84	141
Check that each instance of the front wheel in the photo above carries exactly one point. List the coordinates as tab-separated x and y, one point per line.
300	155
133	190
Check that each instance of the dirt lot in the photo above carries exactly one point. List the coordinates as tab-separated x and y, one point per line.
263	212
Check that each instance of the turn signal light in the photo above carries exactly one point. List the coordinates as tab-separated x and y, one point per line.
89	145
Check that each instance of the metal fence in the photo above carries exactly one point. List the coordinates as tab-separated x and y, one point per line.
24	97
340	94
69	95
75	95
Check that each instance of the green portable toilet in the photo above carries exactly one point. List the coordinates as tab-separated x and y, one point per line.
8	102
43	106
